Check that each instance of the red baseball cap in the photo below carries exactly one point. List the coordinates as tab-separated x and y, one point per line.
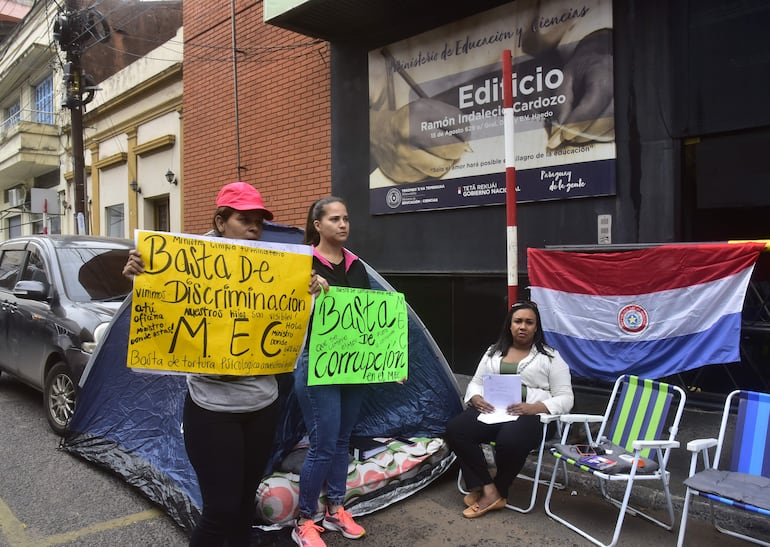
242	196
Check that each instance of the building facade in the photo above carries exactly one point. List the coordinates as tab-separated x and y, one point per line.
30	131
133	142
130	53
261	114
686	79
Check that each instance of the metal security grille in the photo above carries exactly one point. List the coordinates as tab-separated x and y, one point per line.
44	101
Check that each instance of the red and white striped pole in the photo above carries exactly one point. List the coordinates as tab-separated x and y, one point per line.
510	181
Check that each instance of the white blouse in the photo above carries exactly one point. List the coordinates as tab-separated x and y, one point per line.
548	379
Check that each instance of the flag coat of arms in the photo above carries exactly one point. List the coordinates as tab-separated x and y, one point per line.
651	312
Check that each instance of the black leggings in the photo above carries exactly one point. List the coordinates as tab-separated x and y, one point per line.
229	452
513	443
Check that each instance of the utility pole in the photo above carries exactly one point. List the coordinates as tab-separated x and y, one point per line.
78	159
74	29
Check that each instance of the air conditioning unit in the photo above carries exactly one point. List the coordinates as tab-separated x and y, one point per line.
16	197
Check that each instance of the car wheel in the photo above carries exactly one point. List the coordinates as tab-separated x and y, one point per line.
59	395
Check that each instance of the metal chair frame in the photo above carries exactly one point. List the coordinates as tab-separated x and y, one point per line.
639	447
545	420
753	429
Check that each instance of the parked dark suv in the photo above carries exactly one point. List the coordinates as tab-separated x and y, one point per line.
57	296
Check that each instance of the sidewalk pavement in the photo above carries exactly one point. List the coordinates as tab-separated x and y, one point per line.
433	516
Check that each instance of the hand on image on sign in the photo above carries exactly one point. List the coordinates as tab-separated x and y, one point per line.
584	43
408	148
421	140
588	113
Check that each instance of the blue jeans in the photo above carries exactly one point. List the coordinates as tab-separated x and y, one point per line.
330	412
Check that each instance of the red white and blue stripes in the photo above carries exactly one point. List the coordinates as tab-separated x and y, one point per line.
651	312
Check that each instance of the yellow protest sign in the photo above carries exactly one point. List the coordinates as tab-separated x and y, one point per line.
359	336
211	305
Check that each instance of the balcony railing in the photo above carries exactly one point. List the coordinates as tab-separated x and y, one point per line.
10	125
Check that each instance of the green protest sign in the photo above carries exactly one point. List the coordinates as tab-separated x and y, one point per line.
359	336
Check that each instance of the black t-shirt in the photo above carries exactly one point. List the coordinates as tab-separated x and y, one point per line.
356	275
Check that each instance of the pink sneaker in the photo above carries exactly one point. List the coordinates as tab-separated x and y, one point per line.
343	522
308	534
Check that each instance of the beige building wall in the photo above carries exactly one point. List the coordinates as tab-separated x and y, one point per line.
133	138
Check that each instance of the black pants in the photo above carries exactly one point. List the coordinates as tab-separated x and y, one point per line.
513	443
229	452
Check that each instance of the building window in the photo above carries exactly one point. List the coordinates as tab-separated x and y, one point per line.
14	115
161	213
54	224
44	101
38	224
45	224
115	219
14	226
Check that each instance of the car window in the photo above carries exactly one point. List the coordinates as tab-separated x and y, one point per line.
10	263
35	269
94	273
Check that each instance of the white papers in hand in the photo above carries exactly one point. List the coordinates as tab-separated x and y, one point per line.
497	417
502	390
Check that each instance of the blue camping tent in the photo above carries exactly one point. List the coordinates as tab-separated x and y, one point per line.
130	422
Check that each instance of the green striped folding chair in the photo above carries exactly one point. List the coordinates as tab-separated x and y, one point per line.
635	437
745	482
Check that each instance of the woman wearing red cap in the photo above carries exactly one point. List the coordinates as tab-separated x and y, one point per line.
229	421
